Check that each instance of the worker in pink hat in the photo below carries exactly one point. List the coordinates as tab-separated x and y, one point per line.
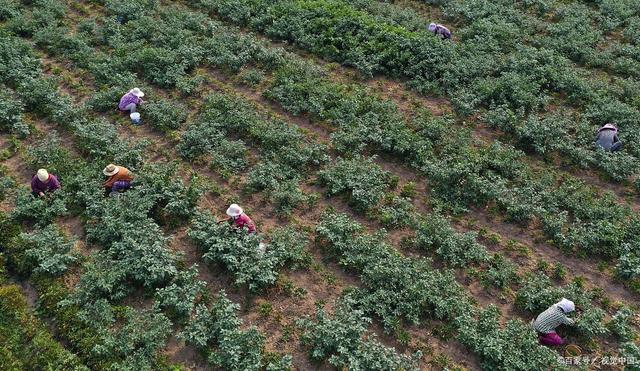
607	138
239	219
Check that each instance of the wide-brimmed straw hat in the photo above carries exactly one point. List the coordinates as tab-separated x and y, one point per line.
137	92
43	175
111	170
234	210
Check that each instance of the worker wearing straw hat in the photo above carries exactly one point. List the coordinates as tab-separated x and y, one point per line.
607	138
43	182
119	179
131	100
239	219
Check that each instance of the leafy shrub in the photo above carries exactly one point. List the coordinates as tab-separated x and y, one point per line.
397	212
9	9
174	201
251	76
52	155
630	350
287	196
134	344
457	249
11	115
46	251
18	61
6	185
500	273
538	293
239	251
217	333
99	140
514	347
179	298
138	253
42	211
628	266
395	288
165	115
590	324
620	324
130	10
106	99
360	178
340	339
229	157
41	96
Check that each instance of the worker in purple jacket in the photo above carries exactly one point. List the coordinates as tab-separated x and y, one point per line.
440	30
43	182
131	100
607	138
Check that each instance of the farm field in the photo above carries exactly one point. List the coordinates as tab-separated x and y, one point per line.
421	200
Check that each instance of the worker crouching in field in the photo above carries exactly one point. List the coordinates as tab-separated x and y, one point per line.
239	219
131	100
43	183
547	322
119	179
607	138
440	30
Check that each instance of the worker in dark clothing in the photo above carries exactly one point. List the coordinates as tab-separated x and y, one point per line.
607	138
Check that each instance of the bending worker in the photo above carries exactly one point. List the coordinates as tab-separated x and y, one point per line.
239	219
119	179
131	100
440	30
607	138
550	319
43	182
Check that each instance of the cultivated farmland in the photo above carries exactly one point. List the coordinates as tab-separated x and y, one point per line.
418	201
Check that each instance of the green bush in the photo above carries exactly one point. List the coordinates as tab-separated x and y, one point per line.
11	115
164	114
457	249
620	324
362	180
179	297
340	339
397	212
239	251
216	332
41	211
46	251
514	347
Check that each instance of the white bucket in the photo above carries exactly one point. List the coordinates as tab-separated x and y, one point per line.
135	116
